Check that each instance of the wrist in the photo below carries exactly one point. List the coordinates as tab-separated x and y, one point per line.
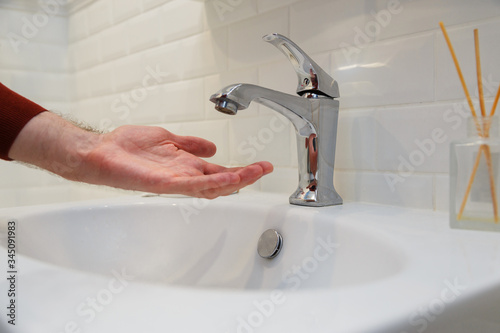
52	143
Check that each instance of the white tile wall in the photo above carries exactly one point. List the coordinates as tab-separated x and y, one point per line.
219	13
399	89
144	31
245	45
182	19
398	71
421	149
123	10
203	54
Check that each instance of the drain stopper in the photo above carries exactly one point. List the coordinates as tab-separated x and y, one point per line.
270	243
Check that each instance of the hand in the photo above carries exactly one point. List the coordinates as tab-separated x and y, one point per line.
154	160
142	158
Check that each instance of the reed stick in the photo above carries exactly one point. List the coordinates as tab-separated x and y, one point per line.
483	132
479	75
486	126
492	112
493	108
461	77
492	182
469	185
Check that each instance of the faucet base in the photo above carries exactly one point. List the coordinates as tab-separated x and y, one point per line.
312	198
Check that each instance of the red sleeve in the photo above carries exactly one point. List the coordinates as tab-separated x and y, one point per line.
15	112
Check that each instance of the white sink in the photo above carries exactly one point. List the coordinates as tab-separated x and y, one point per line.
154	264
161	241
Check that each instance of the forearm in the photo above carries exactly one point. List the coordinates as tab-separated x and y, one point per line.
53	143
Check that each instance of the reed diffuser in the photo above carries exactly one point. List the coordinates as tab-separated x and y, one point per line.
474	162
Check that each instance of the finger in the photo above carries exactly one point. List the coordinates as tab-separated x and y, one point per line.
193	185
194	145
246	175
210	168
249	175
266	167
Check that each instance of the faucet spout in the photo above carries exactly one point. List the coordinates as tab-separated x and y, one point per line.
237	97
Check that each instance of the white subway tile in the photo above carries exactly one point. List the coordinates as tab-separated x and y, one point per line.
204	54
35	195
415	191
357	143
147	104
82	191
81	85
94	112
181	101
392	72
166	59
266	5
103	112
129	72
15	175
115	110
54	31
54	58
20	56
448	85
40	87
281	180
101	80
181	19
77	26
278	75
98	15
263	138
113	43
332	23
34	25
442	192
10	21
245	44
172	127
59	107
399	18
145	30
7	199
221	13
123	10
71	58
6	77
148	4
417	139
87	52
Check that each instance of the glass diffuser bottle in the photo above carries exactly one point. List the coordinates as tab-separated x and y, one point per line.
474	176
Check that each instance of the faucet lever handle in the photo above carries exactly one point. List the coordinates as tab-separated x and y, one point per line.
312	78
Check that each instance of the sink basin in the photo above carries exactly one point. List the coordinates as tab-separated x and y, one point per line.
210	244
157	264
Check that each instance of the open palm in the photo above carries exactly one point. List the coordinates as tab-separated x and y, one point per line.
154	160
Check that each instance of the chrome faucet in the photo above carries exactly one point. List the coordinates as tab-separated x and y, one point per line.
314	115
